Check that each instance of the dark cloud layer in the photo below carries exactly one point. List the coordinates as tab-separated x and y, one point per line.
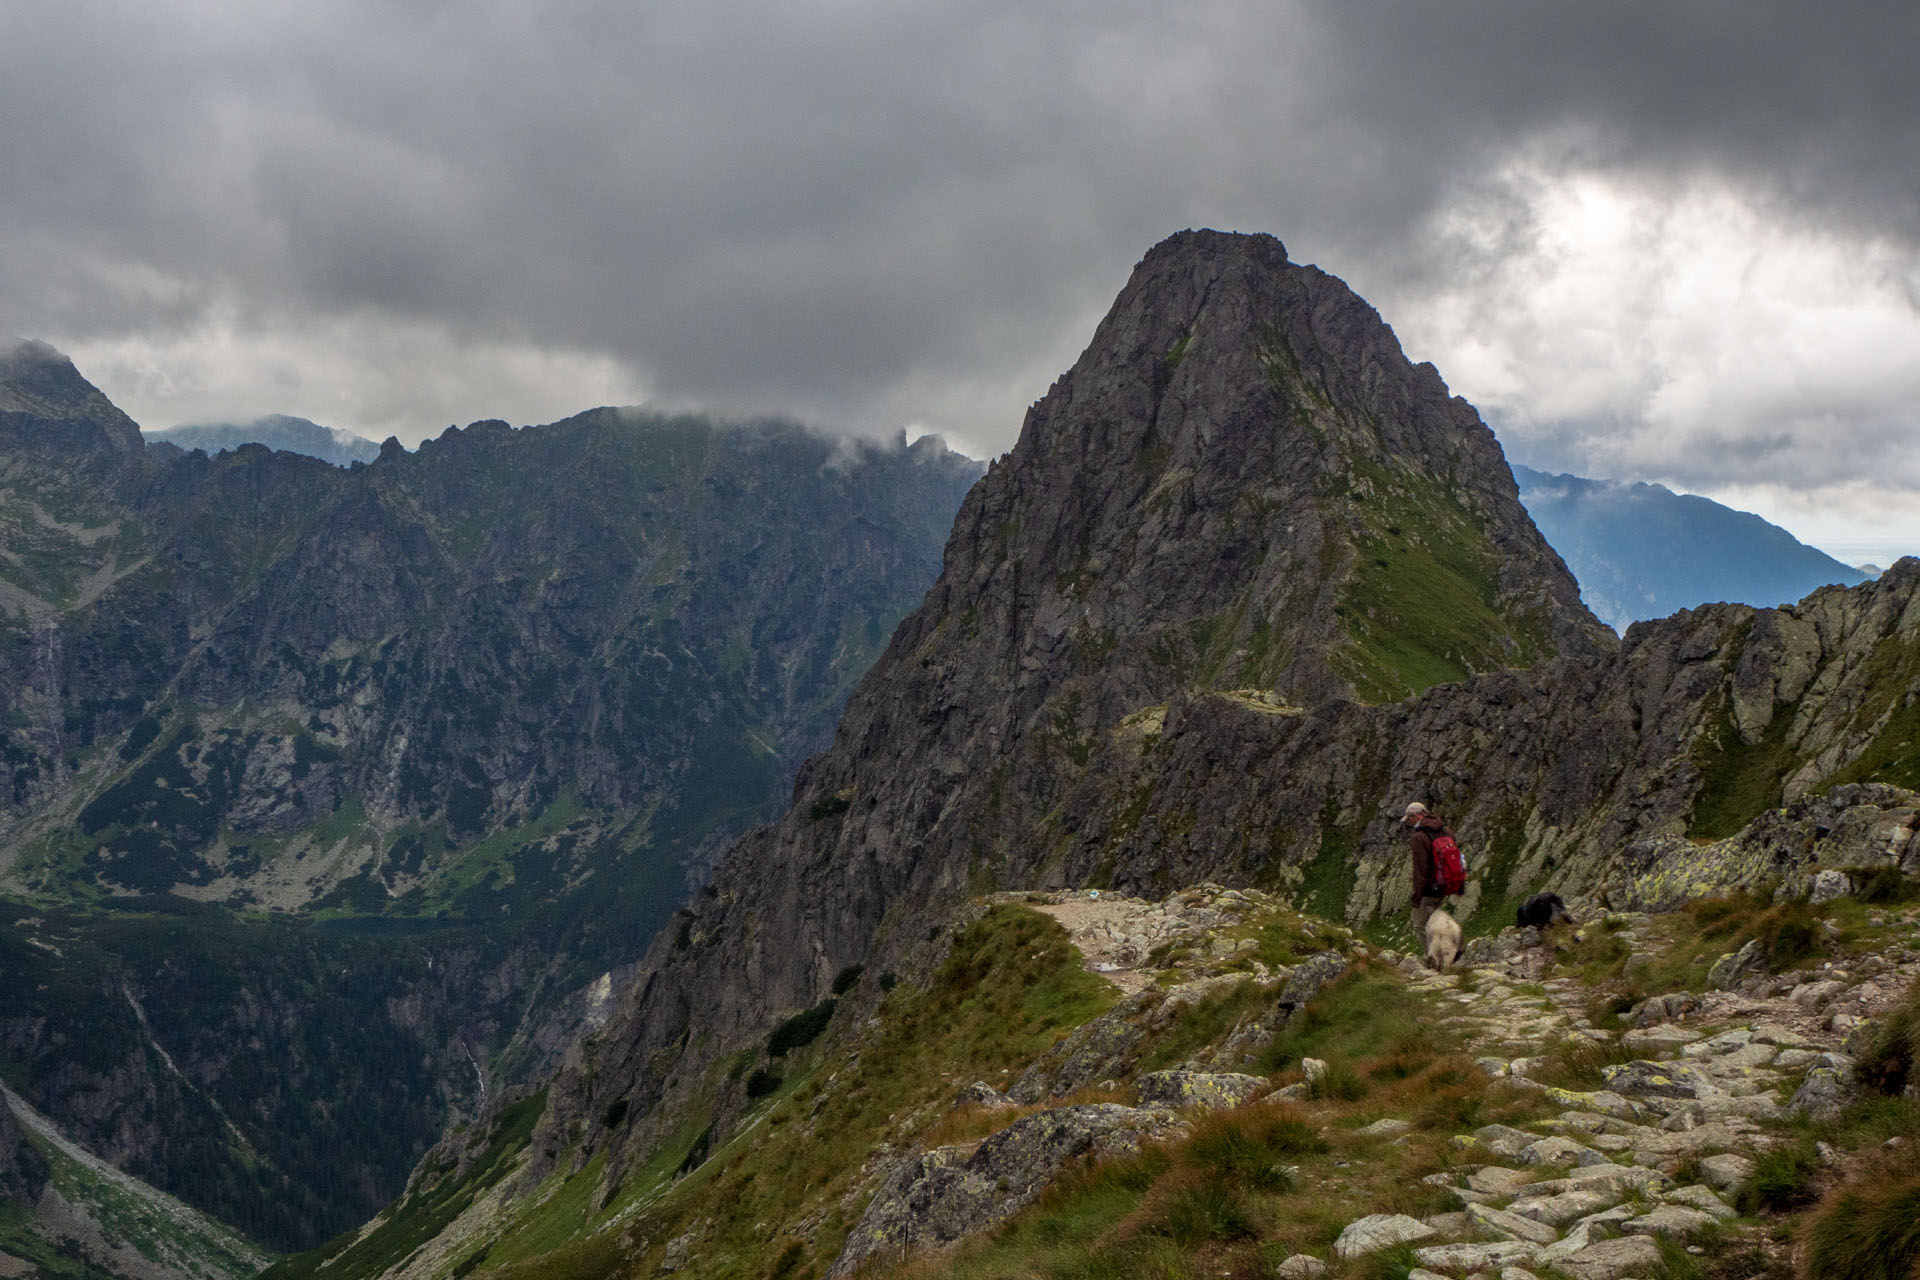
876	213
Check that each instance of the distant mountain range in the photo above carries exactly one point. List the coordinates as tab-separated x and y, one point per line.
276	431
1643	551
327	796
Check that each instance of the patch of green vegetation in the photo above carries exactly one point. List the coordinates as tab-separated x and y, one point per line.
1363	1015
1893	690
1738	780
801	1029
1178	351
831	807
1782	1178
50	1260
1328	879
1425	611
1790	934
1202	1022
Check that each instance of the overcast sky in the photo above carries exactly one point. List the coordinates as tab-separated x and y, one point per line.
1659	240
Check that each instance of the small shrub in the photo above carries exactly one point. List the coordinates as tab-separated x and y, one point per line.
1887	1064
1869	1230
1406	1057
801	1029
1886	886
844	981
762	1082
789	1261
615	1113
1781	1179
888	981
1338	1083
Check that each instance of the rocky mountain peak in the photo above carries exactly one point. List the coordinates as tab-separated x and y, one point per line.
45	403
1241	488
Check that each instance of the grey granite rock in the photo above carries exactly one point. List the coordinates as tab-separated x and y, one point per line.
1208	1090
1510	1226
1614	1259
1379	1231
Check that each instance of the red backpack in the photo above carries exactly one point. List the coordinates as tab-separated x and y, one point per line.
1449	865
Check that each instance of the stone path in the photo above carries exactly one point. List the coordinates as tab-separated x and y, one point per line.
1589	1190
1116	934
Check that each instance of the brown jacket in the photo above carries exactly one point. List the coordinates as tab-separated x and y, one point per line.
1421	846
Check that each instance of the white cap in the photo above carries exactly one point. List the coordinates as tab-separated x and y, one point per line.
1415	809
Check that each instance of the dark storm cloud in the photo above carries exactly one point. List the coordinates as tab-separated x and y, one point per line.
866	213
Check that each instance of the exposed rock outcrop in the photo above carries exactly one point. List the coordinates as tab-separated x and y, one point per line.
949	1193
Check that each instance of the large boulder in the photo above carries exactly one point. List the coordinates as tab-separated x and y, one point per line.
1379	1231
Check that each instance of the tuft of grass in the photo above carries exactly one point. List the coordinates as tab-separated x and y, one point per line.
1580	1064
1396	1263
1870	1122
1782	1179
1247	1145
1338	1083
1869	1229
1887	1064
1360	1017
1198	1206
1886	887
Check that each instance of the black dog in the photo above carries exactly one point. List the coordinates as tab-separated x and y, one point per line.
1541	910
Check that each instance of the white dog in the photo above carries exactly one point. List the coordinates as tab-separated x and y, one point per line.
1443	940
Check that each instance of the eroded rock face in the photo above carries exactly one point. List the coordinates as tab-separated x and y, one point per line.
941	1196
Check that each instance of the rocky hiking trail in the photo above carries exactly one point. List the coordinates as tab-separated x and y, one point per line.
1682	1093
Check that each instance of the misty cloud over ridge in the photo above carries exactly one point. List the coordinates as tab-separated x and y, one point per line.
1609	225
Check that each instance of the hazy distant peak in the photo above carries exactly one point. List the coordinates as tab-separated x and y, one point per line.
276	431
1641	551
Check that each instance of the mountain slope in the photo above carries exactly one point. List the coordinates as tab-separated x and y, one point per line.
71	1214
1642	551
275	431
383	770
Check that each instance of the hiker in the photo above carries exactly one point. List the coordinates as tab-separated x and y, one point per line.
1431	875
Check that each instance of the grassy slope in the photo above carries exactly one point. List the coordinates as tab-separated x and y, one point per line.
129	1216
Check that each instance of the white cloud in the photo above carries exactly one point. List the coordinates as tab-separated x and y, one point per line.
1685	333
373	375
